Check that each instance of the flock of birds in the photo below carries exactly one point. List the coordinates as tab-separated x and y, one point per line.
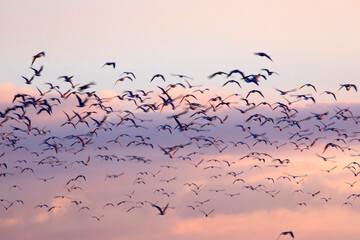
166	130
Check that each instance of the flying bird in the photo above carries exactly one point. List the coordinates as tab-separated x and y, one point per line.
28	81
97	218
68	79
40	54
285	92
262	54
158	76
330	93
269	72
37	72
162	211
111	64
254	91
232	81
81	102
207	214
348	87
287	233
308	85
217	73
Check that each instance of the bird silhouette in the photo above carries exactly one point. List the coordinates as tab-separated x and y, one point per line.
290	233
162	211
110	64
39	55
262	54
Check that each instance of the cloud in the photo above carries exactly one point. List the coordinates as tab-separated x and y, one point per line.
329	223
9	222
8	91
41	217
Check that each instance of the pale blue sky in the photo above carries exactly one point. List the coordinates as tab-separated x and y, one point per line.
309	41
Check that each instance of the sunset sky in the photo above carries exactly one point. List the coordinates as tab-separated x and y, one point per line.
289	168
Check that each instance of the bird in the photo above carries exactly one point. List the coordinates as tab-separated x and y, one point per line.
28	81
158	76
41	206
254	91
348	87
308	85
131	74
314	194
287	233
330	93
40	54
46	179
329	170
207	214
217	73
97	218
162	211
331	145
285	92
181	76
231	81
86	86
37	72
269	72
53	207
325	199
236	71
111	64
262	54
123	79
81	102
351	184
68	79
15	186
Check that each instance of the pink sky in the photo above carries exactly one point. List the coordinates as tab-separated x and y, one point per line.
309	42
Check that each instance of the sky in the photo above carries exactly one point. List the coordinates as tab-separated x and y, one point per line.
227	173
